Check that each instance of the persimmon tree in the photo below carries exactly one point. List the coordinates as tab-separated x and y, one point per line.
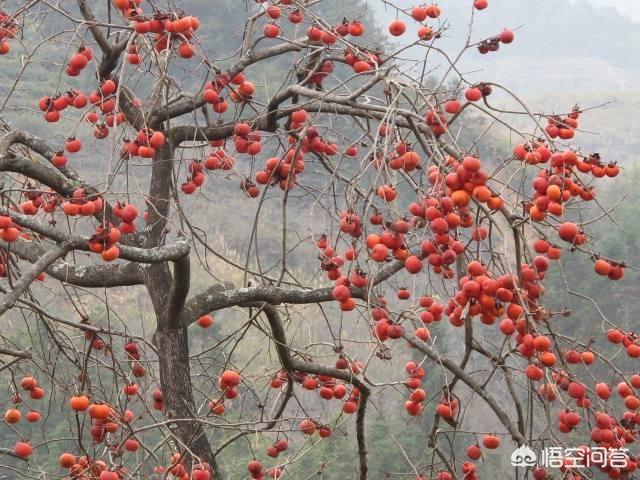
425	244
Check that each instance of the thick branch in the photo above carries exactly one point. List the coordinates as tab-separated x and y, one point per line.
88	276
11	453
218	300
193	102
98	34
159	194
63	181
179	289
214	299
265	123
14	353
41	147
164	253
45	261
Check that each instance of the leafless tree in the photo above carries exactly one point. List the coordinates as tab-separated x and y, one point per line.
387	161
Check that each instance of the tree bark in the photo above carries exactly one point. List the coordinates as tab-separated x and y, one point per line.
168	293
175	383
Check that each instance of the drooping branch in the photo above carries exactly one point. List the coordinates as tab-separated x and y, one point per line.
288	394
475	386
291	364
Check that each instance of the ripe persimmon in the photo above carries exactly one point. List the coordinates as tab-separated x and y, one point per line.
23	450
397	28
12	415
491	441
602	267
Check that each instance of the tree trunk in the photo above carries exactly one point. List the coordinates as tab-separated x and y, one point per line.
171	339
175	383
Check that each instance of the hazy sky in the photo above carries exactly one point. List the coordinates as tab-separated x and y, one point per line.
555	70
630	8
